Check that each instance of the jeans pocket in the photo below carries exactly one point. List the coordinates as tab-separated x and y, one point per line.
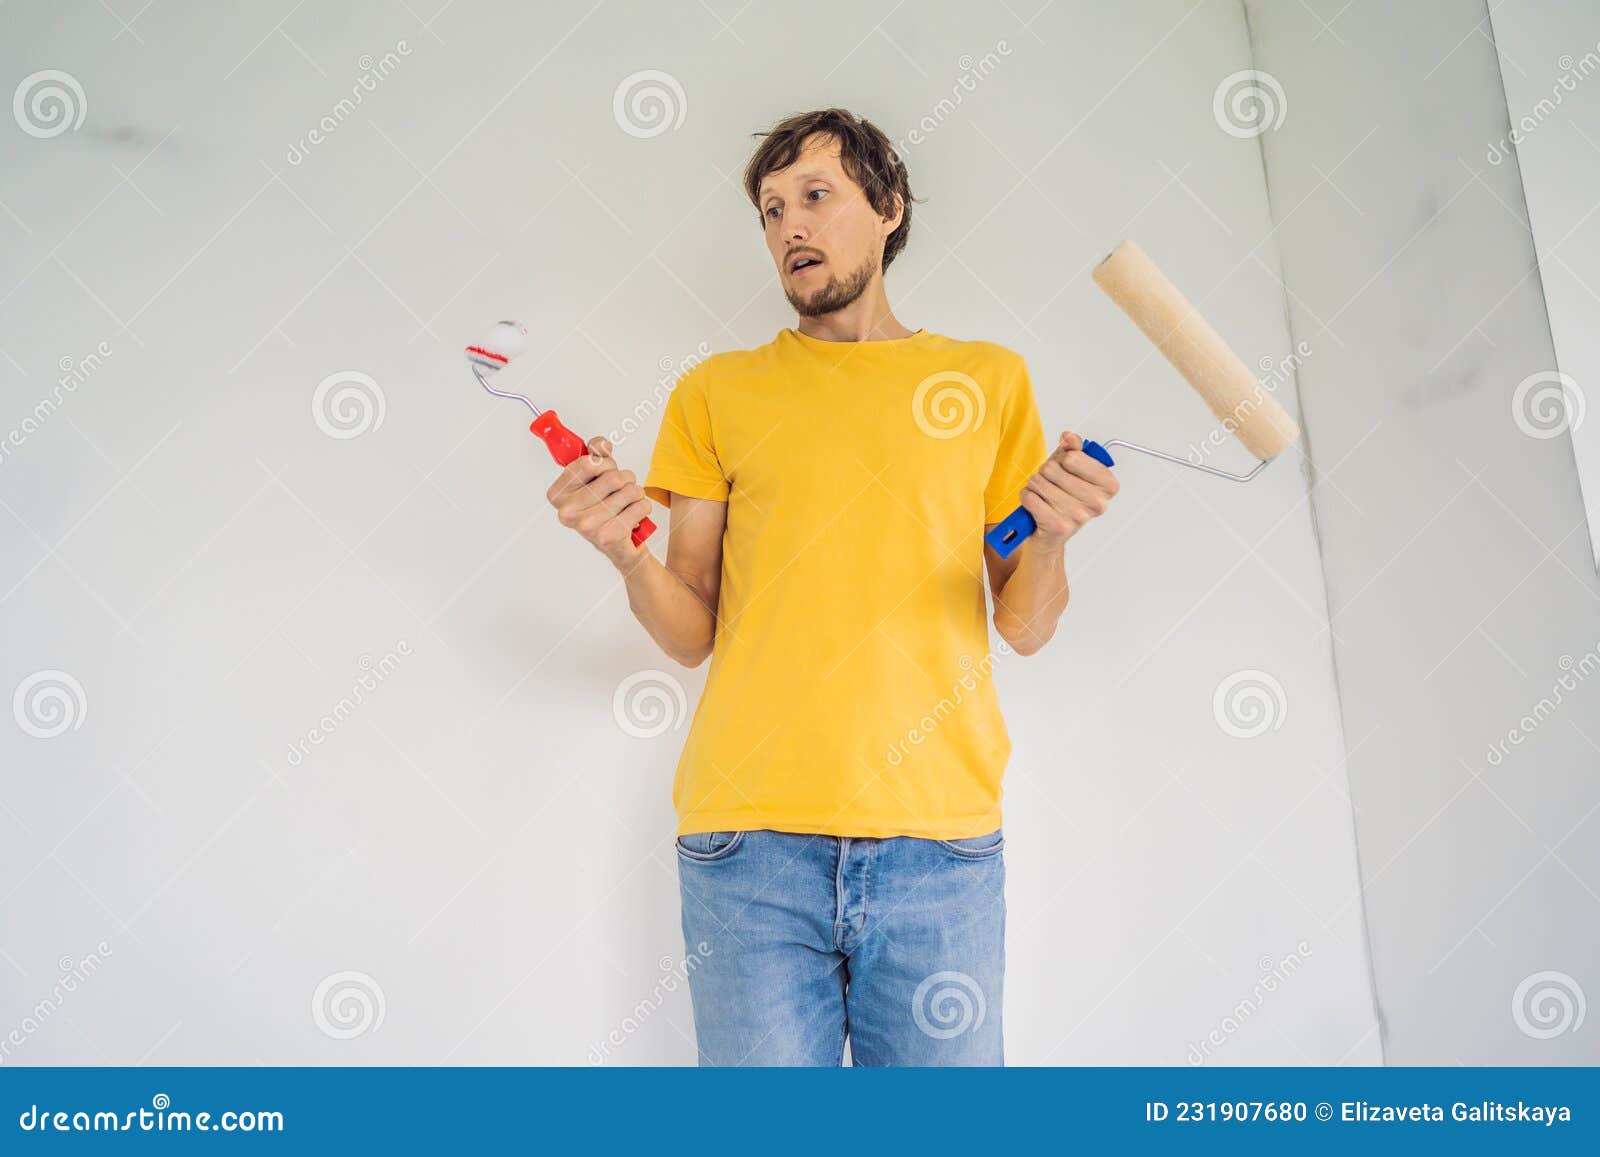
976	847
709	847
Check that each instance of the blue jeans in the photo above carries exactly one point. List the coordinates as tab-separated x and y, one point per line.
795	941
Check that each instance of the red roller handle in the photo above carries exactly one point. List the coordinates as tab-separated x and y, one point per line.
565	447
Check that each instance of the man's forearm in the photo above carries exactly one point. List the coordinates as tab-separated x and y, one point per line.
675	615
1029	604
1070	490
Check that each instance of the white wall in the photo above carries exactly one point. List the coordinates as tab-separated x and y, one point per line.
1466	613
1549	63
481	838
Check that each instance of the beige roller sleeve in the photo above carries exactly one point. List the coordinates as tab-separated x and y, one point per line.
1196	351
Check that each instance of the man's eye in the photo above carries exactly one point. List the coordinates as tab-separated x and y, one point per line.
771	210
817	193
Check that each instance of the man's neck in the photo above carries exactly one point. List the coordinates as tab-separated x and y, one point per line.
868	318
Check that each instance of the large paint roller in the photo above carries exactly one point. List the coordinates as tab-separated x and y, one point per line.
1197	352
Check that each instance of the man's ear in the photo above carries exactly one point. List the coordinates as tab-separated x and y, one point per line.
894	219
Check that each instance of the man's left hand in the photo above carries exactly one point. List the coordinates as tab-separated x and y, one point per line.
1066	492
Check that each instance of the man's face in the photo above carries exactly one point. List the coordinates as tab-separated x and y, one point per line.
824	235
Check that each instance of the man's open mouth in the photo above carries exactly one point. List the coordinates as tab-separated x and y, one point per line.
802	263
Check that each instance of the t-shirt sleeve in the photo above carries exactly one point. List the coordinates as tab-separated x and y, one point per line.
685	457
1021	450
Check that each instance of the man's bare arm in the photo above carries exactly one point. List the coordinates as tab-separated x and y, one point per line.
1030	592
675	602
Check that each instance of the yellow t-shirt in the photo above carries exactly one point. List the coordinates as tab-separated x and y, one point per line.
851	686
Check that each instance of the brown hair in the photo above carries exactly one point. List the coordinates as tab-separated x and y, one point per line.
865	152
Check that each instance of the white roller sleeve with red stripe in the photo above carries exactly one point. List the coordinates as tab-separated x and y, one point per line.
505	341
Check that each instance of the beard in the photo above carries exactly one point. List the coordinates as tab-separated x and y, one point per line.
836	294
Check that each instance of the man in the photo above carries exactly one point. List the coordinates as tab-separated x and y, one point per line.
839	838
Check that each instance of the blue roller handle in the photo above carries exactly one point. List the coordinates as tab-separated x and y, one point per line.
1008	535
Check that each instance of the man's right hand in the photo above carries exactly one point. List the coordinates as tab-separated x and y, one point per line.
602	503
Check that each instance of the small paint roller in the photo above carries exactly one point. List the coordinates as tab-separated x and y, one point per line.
505	341
1197	352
